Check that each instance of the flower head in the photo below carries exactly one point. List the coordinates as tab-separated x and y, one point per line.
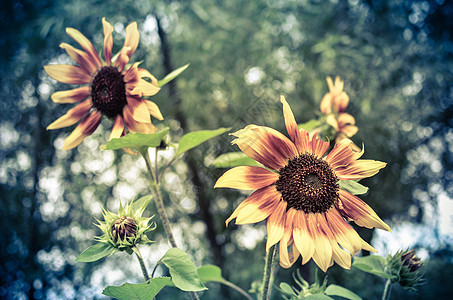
127	228
333	105
299	195
110	88
406	268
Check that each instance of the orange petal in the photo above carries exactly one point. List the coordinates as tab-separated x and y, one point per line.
341	101
359	169
299	139
81	58
118	128
68	74
132	38
84	129
144	88
108	41
342	154
326	104
303	238
135	126
131	76
318	146
332	121
323	250
344	119
86	45
71	96
276	225
122	60
246	178
257	207
349	130
288	259
139	109
153	109
72	116
361	213
265	145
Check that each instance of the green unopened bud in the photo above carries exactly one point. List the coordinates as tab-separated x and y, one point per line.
127	228
406	268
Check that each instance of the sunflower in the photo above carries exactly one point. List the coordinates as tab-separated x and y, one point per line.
110	89
299	195
333	105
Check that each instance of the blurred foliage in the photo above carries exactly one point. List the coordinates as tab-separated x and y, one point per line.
395	58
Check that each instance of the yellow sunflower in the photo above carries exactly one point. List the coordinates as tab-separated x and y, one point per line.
298	193
333	105
109	88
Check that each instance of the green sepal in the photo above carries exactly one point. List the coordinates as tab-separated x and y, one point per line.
234	159
310	125
182	270
336	290
172	75
96	252
146	290
195	138
373	264
353	187
137	141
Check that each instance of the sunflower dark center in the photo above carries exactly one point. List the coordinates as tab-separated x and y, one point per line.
307	183
108	92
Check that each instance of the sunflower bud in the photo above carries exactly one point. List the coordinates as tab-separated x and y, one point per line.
406	266
127	228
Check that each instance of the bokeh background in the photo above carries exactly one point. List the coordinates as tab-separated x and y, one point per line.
394	56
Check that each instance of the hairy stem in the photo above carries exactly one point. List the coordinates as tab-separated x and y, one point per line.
268	271
142	264
387	290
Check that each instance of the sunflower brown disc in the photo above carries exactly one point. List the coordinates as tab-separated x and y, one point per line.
108	92
307	183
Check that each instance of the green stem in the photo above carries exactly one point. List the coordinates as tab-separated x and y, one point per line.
238	289
387	290
142	264
268	271
155	188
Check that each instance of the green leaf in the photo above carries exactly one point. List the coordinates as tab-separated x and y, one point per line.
195	138
336	290
141	203
96	252
353	187
208	273
172	75
310	125
318	297
287	289
234	159
137	141
182	270
373	264
146	290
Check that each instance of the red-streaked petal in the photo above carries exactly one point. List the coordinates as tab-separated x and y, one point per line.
276	225
323	250
359	169
68	74
246	178
257	207
72	116
122	60
341	102
139	110
344	234
288	259
303	238
118	128
81	58
318	146
153	109
135	126
265	145
352	207
342	154
131	76
86	45
132	38
108	41
71	96
299	139
84	129
144	88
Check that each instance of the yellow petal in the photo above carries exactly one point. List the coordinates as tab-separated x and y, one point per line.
299	139
108	41
359	169
303	237
246	178
139	110
72	116
132	38
84	129
118	128
276	225
71	96
85	44
81	58
68	74
144	88
154	109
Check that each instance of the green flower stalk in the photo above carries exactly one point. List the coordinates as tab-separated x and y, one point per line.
125	229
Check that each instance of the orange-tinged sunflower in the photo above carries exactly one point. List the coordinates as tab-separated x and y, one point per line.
109	88
299	195
333	105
